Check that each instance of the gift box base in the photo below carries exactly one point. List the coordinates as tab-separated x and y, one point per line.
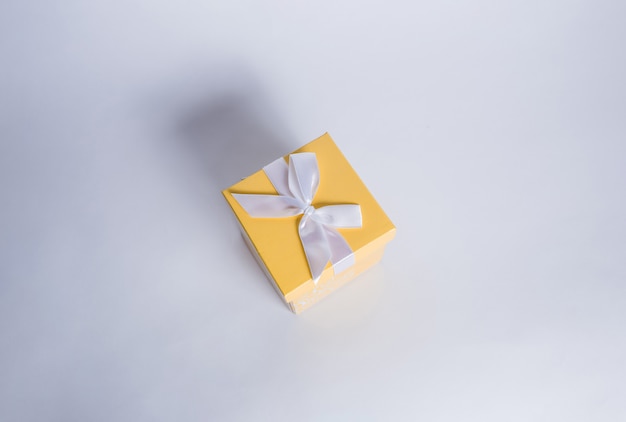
365	258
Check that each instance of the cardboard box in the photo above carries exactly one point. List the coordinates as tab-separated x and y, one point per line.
291	235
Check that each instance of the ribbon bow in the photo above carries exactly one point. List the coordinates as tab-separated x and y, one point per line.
296	185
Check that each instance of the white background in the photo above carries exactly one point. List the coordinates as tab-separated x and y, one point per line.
492	132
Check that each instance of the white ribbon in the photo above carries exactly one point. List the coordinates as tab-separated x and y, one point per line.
296	185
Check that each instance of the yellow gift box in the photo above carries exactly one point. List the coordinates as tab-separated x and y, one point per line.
277	244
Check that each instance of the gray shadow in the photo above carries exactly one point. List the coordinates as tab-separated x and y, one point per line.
227	133
234	133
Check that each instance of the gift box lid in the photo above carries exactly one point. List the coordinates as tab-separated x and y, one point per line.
277	241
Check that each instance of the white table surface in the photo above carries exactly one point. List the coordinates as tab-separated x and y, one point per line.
493	133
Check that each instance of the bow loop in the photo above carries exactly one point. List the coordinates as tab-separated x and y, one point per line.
269	206
304	176
342	216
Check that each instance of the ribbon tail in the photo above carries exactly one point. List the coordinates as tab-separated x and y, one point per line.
315	244
341	255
